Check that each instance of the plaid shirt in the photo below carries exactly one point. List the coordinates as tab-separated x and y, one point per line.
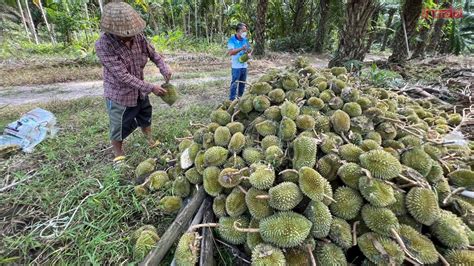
123	68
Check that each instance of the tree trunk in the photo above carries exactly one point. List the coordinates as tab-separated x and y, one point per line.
298	17
388	29
351	44
196	18
101	6
311	18
184	21
373	29
43	13
410	14
422	40
322	26
30	21
260	28
437	32
23	20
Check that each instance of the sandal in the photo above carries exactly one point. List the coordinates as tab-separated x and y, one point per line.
119	162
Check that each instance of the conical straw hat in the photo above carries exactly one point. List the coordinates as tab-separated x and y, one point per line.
121	19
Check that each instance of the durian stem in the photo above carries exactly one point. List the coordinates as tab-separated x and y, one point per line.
393	120
345	138
242	189
402	245
245	230
454	192
329	198
262	197
313	260
411	261
183	138
354	233
288	171
443	259
233	115
381	249
367	173
394	186
197	226
196	124
404	178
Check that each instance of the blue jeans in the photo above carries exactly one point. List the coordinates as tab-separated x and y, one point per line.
238	74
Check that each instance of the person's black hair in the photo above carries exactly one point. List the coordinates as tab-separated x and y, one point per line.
240	26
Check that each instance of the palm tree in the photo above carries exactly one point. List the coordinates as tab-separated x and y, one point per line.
260	28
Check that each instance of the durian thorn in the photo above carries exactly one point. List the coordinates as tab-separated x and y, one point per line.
197	226
354	233
244	230
443	259
233	115
288	171
329	198
242	189
454	192
183	138
402	245
313	260
196	124
262	197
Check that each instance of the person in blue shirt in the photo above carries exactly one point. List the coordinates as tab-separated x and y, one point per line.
237	46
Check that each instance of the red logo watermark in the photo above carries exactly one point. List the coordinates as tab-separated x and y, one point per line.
442	13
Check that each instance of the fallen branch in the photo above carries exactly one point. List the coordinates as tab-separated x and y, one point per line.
14	184
207	244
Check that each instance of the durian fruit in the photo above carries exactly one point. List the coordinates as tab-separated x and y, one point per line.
340	121
263	177
218	206
258	208
181	187
350	152
266	128
289	82
184	144
311	183
211	127
369	145
261	103
187	250
277	96
235	203
289	175
237	143
340	233
417	159
323	124
146	167
318	213
398	207
350	173
380	250
274	155
329	144
199	162
352	109
234	127
158	180
347	203
336	103
252	155
229	177
316	103
285	229
222	136
296	256
260	88
295	95
227	231
198	135
418	245
462	178
140	190
193	176
220	117
215	156
264	254
380	220
386	130
377	192
210	181
284	196
305	122
330	254
194	150
171	95
171	204
454	119
328	166
245	104
450	230
304	150
145	241
287	130
253	239
381	164
270	140
273	113
289	110
422	204
436	173
336	71
460	257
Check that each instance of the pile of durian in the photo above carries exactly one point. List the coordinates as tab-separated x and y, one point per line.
309	167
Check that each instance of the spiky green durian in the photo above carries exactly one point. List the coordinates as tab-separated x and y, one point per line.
330	254
436	173
253	239
352	109
289	82
373	135
227	231
199	162
145	242
364	103
422	204
316	103
369	145
260	88
289	175
336	71
386	130
146	167
274	156
304	150
296	256
311	183
184	144
336	103
210	181
381	164
171	204
454	119
326	96
287	130
398	207
295	95
305	122
235	203
377	192
380	250
380	220
462	178
198	135
270	140
460	257
277	96
171	95
432	151
311	92
350	152
340	233
350	173
181	187
218	206
408	220
236	162
252	155
417	159
220	117
323	124
290	110
187	250
235	127
266	128
318	213
328	166
450	230
246	103
330	144
411	141
285	196
322	85
258	208
193	176
285	229
264	254
237	143
273	113
211	127
158	180
229	177
194	150
263	177
340	121
347	203
215	156
261	103
418	245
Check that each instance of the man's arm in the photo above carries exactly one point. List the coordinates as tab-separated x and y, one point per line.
231	50
158	60
117	68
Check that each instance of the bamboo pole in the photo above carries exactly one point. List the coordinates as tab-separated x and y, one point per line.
23	20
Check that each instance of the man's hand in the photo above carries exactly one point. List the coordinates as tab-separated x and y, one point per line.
158	90
244	47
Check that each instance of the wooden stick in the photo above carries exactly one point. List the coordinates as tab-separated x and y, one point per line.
174	230
402	245
5	188
313	260
354	233
443	260
207	245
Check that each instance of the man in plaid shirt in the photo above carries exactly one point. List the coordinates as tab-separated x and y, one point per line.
124	51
